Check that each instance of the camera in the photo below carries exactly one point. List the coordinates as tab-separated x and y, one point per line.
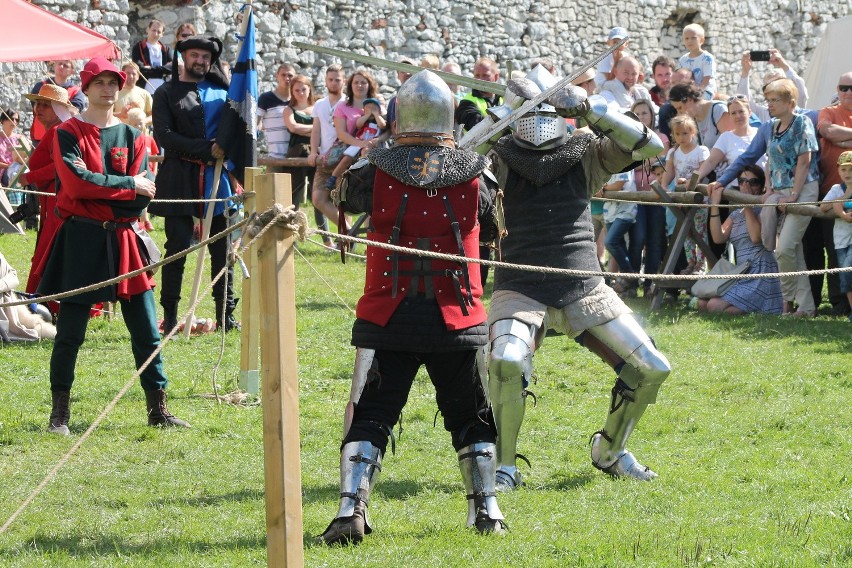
759	55
28	209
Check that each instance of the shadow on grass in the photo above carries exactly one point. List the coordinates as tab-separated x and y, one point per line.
208	500
318	306
568	482
754	326
386	489
115	544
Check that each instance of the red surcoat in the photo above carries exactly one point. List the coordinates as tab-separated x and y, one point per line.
427	220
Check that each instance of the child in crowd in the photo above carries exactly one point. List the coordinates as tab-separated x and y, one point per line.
683	159
137	118
700	62
606	68
619	217
843	222
370	125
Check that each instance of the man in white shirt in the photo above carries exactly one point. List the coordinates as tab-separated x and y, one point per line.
323	137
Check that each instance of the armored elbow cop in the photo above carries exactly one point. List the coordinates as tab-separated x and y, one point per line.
625	131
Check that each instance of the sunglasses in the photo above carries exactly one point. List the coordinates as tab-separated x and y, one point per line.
737	98
754	182
844	88
184	36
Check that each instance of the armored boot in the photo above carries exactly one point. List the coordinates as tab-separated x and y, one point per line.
60	415
225	315
170	315
478	467
158	414
609	453
641	370
360	464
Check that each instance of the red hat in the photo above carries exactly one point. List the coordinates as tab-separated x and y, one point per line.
98	65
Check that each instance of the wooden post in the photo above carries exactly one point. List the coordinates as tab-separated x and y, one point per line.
249	344
282	464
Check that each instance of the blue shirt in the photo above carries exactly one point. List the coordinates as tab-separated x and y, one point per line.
785	148
757	148
213	99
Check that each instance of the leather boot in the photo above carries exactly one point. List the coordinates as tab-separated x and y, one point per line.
170	313
348	530
158	414
225	316
60	414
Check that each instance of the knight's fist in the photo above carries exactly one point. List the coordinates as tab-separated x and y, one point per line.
570	102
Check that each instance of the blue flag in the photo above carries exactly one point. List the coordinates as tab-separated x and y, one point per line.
237	135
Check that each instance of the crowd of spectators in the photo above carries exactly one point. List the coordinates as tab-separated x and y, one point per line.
335	118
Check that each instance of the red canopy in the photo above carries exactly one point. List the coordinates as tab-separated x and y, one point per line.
32	33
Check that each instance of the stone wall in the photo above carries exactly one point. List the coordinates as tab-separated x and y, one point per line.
511	31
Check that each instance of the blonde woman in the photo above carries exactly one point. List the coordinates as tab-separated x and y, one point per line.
793	175
733	142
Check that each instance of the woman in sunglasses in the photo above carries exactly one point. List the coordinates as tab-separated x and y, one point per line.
742	230
732	143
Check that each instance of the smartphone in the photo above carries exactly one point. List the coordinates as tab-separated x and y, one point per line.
759	55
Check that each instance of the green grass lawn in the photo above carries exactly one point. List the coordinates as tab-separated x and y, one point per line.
750	436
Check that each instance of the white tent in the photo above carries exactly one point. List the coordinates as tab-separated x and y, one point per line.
829	61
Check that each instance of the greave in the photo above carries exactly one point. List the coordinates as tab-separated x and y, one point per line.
478	467
624	413
360	464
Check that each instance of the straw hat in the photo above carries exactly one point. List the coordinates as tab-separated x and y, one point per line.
587	75
52	94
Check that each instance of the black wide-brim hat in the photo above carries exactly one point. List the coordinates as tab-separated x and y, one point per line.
211	44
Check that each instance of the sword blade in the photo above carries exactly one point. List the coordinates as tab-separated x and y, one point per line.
470	82
538	99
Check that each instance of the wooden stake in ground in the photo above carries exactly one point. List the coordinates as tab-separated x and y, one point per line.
282	464
202	252
249	373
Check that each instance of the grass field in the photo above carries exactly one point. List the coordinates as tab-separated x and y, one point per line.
750	437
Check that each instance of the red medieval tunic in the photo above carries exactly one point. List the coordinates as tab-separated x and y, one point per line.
42	175
97	205
412	303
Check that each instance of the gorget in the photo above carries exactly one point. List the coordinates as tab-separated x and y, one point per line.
542	166
429	167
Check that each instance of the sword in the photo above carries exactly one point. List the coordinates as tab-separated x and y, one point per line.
501	124
478	84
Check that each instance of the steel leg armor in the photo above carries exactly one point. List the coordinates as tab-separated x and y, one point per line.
360	464
509	370
477	465
639	380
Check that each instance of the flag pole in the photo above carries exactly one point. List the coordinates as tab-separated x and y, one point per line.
208	216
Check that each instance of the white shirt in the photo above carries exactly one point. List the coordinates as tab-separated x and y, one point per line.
322	116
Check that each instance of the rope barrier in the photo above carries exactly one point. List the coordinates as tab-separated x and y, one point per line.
635	197
234	198
117	279
568	271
